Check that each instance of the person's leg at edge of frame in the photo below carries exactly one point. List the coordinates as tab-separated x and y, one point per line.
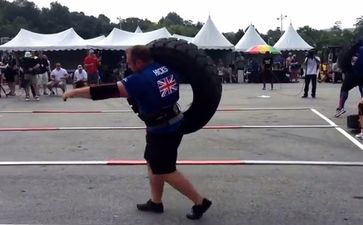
360	113
264	80
360	86
347	85
272	79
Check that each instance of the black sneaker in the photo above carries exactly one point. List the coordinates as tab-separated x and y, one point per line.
304	96
199	210
313	96
150	206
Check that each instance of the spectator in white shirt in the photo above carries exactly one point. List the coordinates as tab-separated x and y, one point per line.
58	78
312	64
80	77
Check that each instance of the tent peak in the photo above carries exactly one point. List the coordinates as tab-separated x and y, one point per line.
209	37
291	40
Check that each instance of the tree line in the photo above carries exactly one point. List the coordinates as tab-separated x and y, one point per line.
25	14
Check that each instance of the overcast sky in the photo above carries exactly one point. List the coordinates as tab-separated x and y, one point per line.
228	15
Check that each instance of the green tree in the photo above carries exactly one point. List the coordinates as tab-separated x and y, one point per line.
171	19
272	36
55	19
238	36
358	31
234	37
310	35
16	15
130	24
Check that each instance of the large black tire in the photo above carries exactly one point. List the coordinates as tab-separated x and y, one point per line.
196	69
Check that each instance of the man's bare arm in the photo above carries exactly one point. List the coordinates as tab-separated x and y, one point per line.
86	93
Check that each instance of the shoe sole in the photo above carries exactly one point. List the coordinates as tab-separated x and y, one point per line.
339	114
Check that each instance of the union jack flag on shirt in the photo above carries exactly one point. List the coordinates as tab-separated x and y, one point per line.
167	86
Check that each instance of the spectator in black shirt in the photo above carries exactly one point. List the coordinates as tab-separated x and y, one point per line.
10	72
43	72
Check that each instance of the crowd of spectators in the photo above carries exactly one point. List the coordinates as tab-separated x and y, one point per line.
36	76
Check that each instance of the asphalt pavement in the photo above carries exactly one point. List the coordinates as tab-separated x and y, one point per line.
241	194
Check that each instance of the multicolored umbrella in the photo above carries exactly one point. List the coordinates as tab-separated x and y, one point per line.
262	49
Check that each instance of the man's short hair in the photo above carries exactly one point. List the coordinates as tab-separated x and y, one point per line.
140	52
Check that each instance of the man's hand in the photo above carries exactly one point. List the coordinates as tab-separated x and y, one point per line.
361	101
69	94
77	93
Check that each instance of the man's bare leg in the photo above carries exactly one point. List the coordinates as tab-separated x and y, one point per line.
178	181
155	204
156	186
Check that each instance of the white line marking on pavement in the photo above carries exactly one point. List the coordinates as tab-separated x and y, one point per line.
182	162
342	131
209	127
55	111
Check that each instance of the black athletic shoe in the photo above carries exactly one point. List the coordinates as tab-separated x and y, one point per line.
304	96
199	210
150	206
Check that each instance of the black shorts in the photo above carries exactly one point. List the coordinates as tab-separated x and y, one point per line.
10	77
161	151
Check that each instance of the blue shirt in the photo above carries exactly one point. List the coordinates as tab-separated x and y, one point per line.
152	89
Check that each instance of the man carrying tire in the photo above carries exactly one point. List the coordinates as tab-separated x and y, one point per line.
153	92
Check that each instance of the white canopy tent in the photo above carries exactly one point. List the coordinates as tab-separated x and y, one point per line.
27	41
138	30
250	39
291	40
95	40
121	40
182	37
209	37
